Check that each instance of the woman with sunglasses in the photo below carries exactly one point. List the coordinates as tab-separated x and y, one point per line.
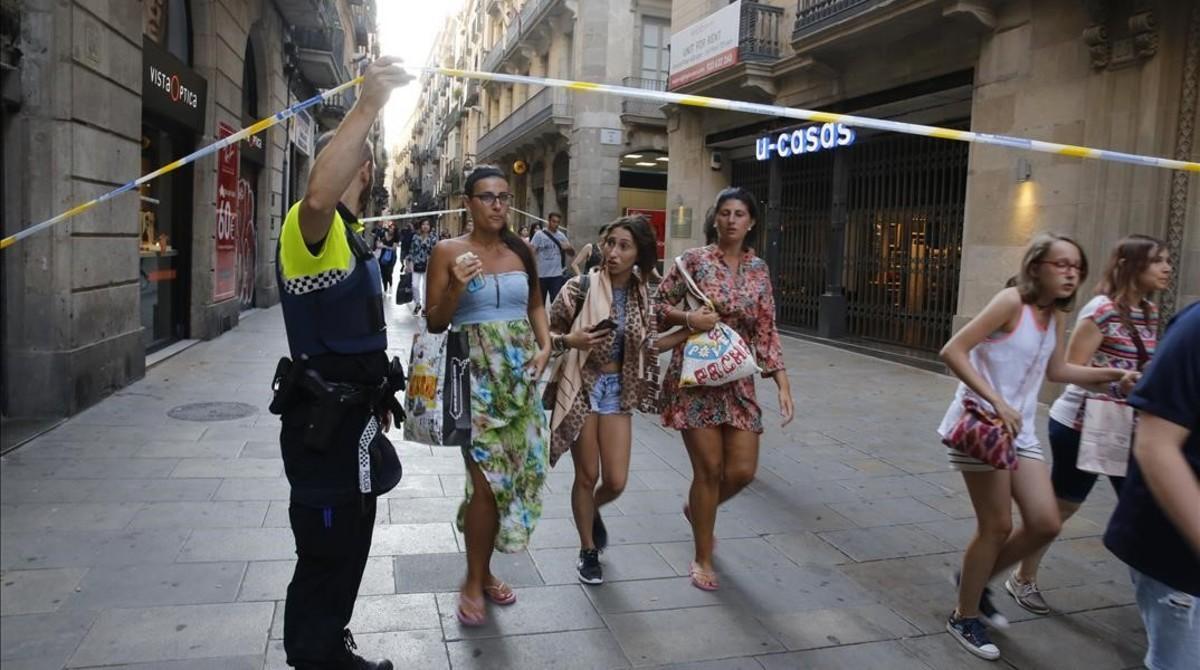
484	284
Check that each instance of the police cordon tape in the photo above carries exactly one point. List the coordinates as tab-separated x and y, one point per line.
826	117
421	215
637	93
252	129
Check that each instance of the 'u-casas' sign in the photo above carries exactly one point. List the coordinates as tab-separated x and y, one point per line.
807	140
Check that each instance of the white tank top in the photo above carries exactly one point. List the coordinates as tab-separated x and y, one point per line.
1015	365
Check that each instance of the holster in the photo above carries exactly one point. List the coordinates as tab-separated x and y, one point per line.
285	386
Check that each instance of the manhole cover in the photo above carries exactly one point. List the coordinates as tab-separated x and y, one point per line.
212	411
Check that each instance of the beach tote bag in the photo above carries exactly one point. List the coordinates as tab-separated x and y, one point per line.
1106	436
715	357
438	397
1108	424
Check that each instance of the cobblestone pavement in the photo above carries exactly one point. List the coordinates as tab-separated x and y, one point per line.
132	539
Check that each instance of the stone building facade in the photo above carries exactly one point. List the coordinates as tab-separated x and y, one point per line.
589	157
105	91
893	241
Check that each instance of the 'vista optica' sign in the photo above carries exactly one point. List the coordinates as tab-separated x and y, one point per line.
805	140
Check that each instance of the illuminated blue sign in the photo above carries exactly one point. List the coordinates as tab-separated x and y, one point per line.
806	140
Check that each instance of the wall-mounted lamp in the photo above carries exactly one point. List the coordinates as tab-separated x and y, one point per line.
1024	170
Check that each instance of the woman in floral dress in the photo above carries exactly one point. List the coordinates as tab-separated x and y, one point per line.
721	424
484	284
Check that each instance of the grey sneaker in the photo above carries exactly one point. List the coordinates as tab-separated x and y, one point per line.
1027	595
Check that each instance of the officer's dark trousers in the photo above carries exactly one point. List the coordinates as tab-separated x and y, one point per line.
332	544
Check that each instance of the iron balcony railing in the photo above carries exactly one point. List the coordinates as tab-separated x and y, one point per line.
545	106
814	15
643	108
758	34
531	12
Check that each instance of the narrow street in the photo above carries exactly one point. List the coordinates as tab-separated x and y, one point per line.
134	539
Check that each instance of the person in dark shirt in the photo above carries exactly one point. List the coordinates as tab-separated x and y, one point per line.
1155	529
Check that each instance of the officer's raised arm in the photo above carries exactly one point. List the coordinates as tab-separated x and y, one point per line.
341	171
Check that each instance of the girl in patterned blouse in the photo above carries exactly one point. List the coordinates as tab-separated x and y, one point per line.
721	424
1138	268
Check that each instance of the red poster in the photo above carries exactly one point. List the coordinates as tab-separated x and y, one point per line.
658	221
225	255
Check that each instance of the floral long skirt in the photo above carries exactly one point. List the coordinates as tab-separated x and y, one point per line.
509	432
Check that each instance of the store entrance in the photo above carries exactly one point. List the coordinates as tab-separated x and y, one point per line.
164	243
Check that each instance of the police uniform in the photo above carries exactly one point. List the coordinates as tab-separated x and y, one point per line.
333	310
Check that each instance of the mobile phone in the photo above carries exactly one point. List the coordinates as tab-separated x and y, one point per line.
606	324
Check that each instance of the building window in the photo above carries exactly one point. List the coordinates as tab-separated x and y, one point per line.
656	45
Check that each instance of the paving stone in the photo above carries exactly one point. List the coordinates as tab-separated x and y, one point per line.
423	510
221	663
392	612
232	468
72	451
154	490
894	487
36	591
647	595
664	480
539	609
192	449
888	512
872	655
622	562
594	649
416	486
238	544
47	491
1034	645
200	515
133	586
693	634
271	488
156	634
871	544
81	548
420	573
557	533
410	650
942	652
43	640
651	502
264	449
116	468
807	547
645	528
448	464
956	506
68	516
794	589
762	518
723	664
738	554
835	627
413	538
15	468
268	580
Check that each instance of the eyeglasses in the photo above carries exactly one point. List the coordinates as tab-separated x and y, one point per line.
490	199
1062	265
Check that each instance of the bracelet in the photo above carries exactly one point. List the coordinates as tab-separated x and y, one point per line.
687	320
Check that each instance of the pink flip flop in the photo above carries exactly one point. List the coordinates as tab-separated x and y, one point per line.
704	580
471	620
500	593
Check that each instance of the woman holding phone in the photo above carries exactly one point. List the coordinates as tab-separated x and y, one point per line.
601	323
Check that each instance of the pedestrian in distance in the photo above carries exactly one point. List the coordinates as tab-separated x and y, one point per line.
554	253
721	424
1002	357
1116	329
422	247
592	255
386	245
1155	529
601	325
335	394
485	285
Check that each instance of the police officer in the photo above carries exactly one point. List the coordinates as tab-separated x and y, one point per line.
334	393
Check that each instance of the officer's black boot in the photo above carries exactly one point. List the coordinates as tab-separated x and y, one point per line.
353	661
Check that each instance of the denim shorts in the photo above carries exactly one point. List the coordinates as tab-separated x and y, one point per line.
1172	624
606	394
1071	483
